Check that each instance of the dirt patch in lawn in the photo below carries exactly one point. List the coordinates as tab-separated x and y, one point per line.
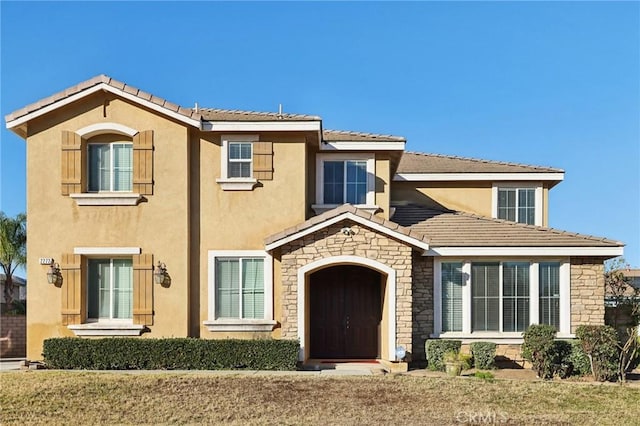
160	398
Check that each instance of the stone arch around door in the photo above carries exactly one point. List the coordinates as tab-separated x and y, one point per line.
388	321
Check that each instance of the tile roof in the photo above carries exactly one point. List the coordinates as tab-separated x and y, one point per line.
345	135
341	210
100	79
216	114
459	229
200	114
416	162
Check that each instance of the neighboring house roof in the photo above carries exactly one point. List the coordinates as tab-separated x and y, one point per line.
344	212
430	164
634	275
459	229
350	136
19	281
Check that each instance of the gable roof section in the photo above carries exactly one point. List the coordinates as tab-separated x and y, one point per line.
187	115
454	232
347	211
415	166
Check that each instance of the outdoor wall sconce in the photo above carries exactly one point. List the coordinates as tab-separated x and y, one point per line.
348	231
160	274
53	275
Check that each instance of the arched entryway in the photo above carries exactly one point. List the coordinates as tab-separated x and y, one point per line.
345	312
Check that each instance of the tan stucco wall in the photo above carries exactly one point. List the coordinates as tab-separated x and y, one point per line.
474	197
158	225
240	220
383	187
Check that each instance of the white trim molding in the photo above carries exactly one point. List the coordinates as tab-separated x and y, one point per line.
99	128
362	221
361	146
525	251
434	177
321	208
539	204
236	183
109	251
371	173
106	329
258	126
467	334
309	268
240	324
107	88
106	198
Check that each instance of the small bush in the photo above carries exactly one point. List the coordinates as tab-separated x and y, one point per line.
484	354
435	350
578	359
600	343
539	346
173	353
484	375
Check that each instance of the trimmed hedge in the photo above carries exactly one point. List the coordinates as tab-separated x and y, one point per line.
484	355
435	350
600	343
173	353
540	348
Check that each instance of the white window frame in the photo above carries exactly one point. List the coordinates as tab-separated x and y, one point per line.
111	168
537	186
467	335
240	324
110	320
116	327
238	183
369	205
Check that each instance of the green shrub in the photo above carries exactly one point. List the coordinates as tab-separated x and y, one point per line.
173	353
539	347
484	354
600	343
484	375
581	366
435	350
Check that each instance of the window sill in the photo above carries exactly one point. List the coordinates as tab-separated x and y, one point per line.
106	198
106	329
321	208
233	324
237	184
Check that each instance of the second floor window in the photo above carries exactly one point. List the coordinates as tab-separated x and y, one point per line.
240	155
517	205
345	182
110	167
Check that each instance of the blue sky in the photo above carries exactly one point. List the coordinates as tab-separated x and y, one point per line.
544	83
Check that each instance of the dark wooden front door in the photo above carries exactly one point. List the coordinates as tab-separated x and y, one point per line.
345	312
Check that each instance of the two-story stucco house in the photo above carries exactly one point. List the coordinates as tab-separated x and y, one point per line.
271	225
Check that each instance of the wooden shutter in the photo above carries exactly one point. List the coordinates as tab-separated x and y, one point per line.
74	304
143	163
71	163
143	289
263	160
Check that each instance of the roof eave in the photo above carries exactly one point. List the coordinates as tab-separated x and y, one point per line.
553	177
606	252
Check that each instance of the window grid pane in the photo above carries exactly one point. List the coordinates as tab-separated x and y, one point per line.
507	204
485	296
526	206
515	296
451	278
227	288
122	167
239	162
110	167
356	182
549	294
333	182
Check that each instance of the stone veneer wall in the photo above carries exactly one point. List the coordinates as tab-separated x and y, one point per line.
587	291
422	289
366	243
